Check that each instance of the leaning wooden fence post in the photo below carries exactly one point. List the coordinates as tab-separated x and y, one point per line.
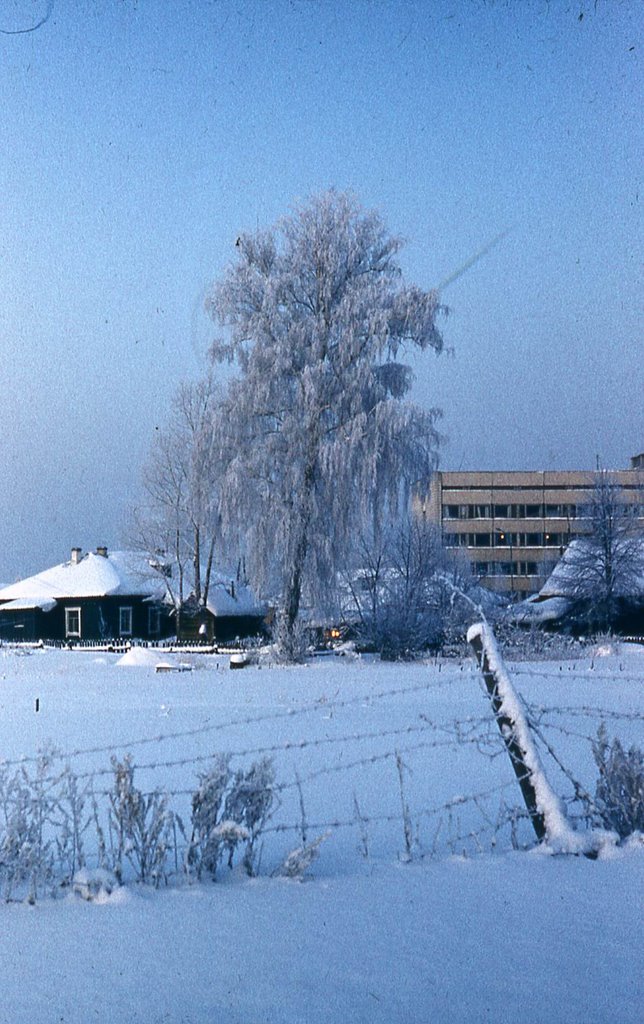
544	807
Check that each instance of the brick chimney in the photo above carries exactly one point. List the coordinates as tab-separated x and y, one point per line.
77	554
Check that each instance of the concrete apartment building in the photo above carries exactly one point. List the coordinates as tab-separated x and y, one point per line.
515	525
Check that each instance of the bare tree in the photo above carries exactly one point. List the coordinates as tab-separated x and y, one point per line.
403	591
315	316
178	522
605	570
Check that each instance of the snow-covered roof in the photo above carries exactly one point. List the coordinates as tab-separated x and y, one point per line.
129	573
27	603
538	610
577	561
557	595
226	598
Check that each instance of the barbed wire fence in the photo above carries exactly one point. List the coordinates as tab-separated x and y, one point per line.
79	817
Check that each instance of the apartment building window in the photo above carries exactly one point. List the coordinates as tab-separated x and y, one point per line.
481	540
533	540
505	540
503	511
561	511
533	511
478	511
505	569
481	568
527	569
553	540
455	540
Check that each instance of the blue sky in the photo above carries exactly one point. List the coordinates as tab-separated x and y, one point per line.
138	137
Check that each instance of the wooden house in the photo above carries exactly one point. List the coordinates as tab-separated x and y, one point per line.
96	596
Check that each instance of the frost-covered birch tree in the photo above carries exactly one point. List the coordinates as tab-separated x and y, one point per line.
316	316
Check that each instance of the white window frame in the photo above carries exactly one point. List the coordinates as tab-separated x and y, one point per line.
125	631
71	633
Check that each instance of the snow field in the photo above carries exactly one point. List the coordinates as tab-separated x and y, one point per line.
447	938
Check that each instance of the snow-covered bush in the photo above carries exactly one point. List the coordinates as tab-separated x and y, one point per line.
74	822
93	885
401	593
227	811
619	795
290	642
206	842
403	629
299	860
250	802
140	825
28	808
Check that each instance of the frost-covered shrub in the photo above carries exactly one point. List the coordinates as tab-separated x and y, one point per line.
140	824
249	803
228	811
403	591
73	824
403	629
291	642
619	795
93	885
206	845
299	860
29	804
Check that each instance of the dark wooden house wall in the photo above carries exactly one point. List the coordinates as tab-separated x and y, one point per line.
221	628
100	620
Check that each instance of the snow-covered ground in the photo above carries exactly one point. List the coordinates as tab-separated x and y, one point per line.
468	930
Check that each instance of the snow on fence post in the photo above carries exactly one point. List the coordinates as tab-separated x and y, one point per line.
544	807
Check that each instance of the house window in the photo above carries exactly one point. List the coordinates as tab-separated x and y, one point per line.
125	621
72	622
154	621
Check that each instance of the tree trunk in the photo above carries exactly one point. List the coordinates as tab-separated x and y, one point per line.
293	586
293	594
197	563
211	555
179	603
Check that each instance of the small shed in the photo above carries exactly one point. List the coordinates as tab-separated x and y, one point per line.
231	613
